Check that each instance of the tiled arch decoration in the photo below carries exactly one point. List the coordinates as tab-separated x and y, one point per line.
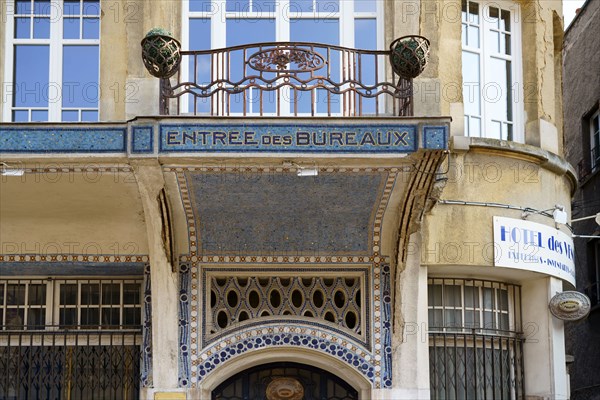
197	360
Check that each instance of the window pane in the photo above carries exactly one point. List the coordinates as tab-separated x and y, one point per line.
471	297
91	7
89	116
23	7
473	13
301	6
15	295
365	5
199	66
452	296
68	294
36	317
365	33
71	28
201	5
131	293
328	6
70	116
90	294
473	37
72	7
80	76
22	26
90	316
21	116
37	294
237	5
132	316
471	83
110	317
41	28
488	298
68	317
15	318
505	20
263	5
31	76
41	7
91	28
111	293
39	116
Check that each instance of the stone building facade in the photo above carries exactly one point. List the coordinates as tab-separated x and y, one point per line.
368	237
581	88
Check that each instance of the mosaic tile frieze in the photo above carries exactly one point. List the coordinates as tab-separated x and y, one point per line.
338	300
262	212
146	370
63	140
357	230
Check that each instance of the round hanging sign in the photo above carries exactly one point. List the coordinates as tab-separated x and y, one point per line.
570	306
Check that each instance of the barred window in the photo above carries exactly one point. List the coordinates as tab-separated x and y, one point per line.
475	341
70	303
458	304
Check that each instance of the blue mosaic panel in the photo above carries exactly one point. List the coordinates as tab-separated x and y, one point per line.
146	370
435	137
184	325
346	138
386	328
288	339
142	139
63	140
252	213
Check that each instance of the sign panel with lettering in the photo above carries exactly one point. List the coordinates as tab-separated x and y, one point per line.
534	247
323	138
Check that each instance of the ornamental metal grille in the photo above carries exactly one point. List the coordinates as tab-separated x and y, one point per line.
334	301
284	381
475	339
287	79
70	338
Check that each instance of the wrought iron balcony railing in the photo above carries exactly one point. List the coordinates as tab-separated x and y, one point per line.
286	79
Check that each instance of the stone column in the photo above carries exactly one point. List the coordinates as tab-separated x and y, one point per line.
410	342
544	348
165	285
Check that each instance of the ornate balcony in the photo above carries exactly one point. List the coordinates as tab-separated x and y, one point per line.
289	79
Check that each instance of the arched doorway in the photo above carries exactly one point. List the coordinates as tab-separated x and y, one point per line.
284	381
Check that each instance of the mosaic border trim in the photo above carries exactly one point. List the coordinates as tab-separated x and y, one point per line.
378	359
142	139
435	137
63	140
365	270
146	377
73	258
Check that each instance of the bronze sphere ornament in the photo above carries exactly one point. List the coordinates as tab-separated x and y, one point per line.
161	53
409	55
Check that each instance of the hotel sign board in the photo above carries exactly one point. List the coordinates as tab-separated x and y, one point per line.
534	247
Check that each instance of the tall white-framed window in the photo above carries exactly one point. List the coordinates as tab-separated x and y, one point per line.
492	69
213	24
54	47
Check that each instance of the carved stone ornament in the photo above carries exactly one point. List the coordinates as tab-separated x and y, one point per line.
277	59
285	389
570	306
